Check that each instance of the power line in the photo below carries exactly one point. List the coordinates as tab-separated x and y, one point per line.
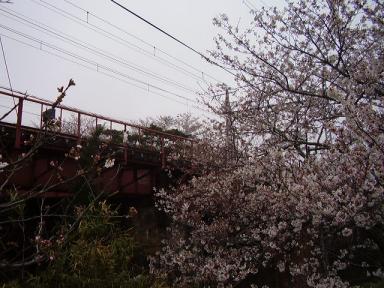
90	62
95	50
115	38
265	3
252	6
24	111
248	5
141	40
106	74
174	38
6	65
7	70
161	30
104	32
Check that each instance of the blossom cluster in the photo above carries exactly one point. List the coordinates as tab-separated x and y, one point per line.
295	183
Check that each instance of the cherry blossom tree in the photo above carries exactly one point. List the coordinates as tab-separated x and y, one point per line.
303	200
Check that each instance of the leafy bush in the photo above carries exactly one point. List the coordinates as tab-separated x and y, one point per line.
98	254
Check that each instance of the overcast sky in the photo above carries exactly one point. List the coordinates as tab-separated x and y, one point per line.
38	34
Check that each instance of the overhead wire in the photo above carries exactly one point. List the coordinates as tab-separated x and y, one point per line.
7	70
93	49
115	38
252	6
114	59
98	29
119	40
109	75
6	65
175	39
101	72
24	111
94	63
159	29
142	41
209	60
265	3
249	5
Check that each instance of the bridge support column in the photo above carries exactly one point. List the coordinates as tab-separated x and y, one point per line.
18	124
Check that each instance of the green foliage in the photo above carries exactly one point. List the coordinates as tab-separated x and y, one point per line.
116	137
372	285
91	148
99	254
97	222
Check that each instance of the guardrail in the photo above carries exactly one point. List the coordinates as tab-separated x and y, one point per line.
46	112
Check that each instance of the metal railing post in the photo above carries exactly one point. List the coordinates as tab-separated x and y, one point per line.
18	124
41	116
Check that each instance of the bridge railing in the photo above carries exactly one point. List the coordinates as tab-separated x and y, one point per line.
29	111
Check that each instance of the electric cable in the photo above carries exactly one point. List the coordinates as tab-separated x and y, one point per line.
159	29
7	70
93	49
248	5
115	38
141	40
106	74
6	65
24	111
94	63
175	39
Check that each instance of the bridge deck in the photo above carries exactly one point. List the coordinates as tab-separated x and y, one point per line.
140	152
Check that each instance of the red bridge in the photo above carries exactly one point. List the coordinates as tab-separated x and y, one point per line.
41	146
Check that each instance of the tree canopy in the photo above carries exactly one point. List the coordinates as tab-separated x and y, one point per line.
303	198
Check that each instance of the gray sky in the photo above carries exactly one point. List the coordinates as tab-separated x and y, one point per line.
126	51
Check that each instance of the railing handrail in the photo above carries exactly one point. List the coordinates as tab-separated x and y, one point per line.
31	98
